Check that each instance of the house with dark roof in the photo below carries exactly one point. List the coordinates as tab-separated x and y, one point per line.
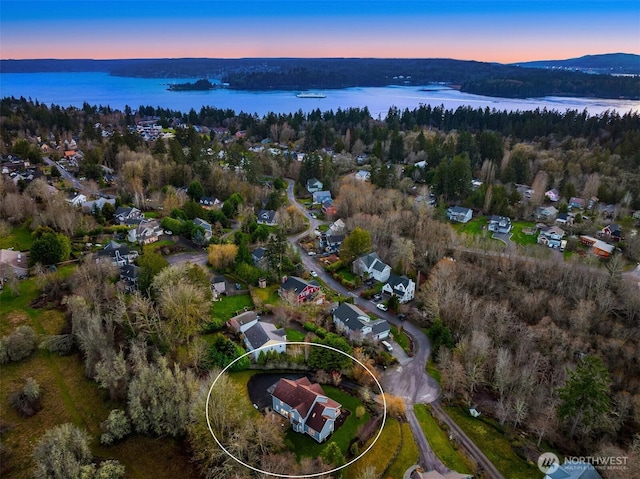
357	325
263	337
309	410
266	217
372	266
258	256
459	214
328	207
400	286
330	242
209	202
129	275
300	290
499	224
314	185
612	232
117	253
124	213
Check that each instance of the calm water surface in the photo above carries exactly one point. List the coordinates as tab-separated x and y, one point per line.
73	89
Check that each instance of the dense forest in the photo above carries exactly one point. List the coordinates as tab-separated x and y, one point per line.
489	79
545	344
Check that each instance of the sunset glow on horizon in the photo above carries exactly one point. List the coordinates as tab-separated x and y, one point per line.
502	31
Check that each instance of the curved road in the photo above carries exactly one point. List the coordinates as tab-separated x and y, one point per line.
408	380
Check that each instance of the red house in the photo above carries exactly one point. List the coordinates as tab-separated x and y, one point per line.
300	289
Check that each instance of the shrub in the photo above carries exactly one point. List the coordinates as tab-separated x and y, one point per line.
62	452
27	401
20	344
115	427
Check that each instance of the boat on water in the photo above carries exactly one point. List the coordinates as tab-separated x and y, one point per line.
311	95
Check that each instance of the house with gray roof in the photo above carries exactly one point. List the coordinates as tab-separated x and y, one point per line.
266	217
372	266
320	197
300	291
314	185
357	325
263	337
459	214
124	213
500	224
400	286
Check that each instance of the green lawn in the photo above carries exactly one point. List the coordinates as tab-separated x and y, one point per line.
519	237
323	228
19	239
305	446
439	441
151	214
230	306
473	227
380	454
294	335
400	338
492	441
346	273
408	455
268	295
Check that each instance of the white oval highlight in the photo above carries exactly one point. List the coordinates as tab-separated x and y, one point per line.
384	414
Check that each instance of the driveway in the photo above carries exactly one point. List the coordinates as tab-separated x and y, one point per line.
194	257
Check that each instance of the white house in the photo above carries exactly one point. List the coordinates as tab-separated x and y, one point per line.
314	185
400	286
145	232
371	265
459	214
356	324
265	337
76	199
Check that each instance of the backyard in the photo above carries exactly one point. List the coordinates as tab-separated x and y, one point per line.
230	306
305	446
19	239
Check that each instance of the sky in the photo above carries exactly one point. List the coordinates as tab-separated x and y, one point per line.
502	31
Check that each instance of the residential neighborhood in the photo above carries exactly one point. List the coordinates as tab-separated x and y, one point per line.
144	252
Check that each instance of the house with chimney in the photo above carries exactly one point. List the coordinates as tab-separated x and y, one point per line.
309	410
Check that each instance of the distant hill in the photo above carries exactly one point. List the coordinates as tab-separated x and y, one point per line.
613	63
295	74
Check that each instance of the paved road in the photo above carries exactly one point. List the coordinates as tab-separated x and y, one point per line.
64	173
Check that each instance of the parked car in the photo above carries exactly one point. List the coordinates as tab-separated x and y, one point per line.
402	317
313	273
238	286
377	297
381	306
311	253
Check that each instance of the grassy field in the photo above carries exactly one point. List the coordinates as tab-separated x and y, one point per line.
474	227
305	446
378	456
68	396
19	239
519	237
230	306
494	444
408	455
268	295
439	441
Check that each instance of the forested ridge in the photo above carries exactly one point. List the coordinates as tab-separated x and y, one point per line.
481	78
